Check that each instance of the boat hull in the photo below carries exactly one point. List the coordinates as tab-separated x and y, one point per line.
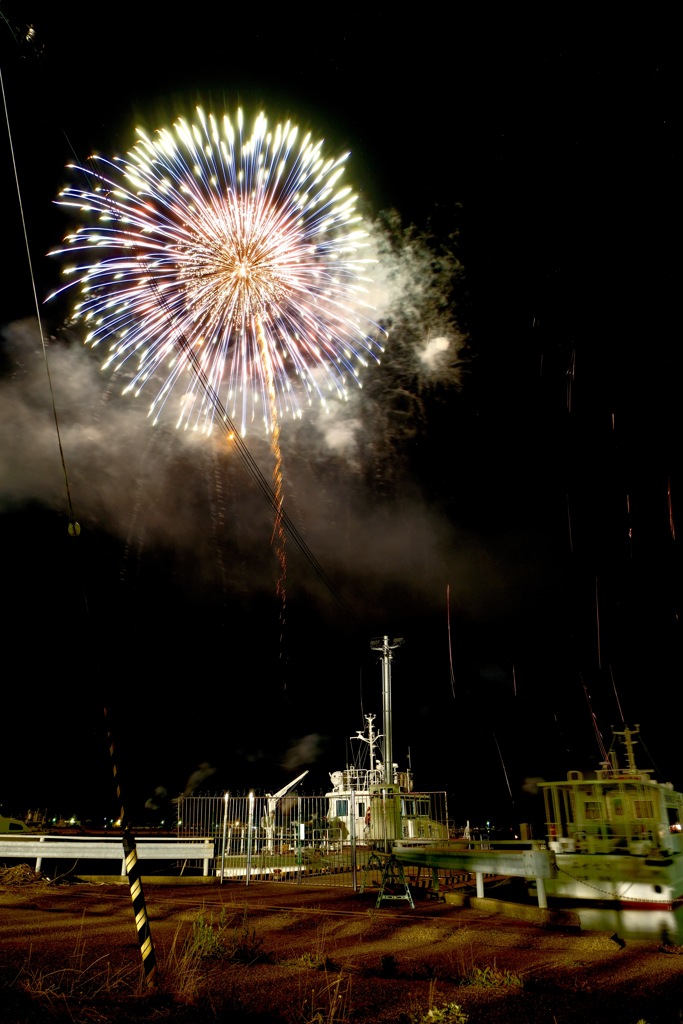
637	897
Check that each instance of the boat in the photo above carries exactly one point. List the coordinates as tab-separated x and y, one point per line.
374	803
371	801
610	850
617	837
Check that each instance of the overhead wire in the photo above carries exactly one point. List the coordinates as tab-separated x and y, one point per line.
74	526
128	841
227	425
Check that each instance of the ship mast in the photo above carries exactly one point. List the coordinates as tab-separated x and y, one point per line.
386	646
371	739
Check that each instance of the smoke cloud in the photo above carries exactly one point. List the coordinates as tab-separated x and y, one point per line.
352	483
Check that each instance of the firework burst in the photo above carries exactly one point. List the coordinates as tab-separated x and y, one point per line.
228	265
233	267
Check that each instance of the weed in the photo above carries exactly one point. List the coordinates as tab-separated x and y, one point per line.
185	971
317	959
492	977
213	940
90	980
247	947
326	1005
192	962
309	960
447	1013
207	939
79	981
314	962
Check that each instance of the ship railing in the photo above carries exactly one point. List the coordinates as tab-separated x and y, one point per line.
635	838
624	775
361	778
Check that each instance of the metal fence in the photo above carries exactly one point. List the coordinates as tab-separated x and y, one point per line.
302	838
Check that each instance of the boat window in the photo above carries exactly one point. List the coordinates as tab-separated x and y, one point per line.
360	809
617	806
342	808
643	809
674	819
592	809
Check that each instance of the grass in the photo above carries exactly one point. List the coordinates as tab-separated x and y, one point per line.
186	977
216	940
212	941
78	979
445	1013
205	976
315	959
327	1003
492	977
194	961
79	982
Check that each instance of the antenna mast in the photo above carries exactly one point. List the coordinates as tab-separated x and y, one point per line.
386	646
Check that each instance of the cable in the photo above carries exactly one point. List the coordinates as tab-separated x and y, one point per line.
228	427
74	526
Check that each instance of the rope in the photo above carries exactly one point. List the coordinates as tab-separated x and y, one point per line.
612	895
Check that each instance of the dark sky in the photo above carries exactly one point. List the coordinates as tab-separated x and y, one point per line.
511	511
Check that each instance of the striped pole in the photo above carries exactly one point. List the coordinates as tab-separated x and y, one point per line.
139	908
149	962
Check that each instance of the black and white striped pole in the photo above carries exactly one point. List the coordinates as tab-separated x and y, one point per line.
139	908
149	962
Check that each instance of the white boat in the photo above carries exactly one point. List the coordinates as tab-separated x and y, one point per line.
372	806
618	843
371	802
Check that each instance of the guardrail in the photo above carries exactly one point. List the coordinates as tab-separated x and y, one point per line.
39	848
519	859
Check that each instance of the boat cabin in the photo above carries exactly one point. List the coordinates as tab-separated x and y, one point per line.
619	810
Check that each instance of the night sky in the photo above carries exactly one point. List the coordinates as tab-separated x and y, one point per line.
509	509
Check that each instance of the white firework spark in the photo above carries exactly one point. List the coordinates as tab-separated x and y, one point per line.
232	265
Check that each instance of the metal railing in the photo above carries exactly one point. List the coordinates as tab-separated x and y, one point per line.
200	850
298	839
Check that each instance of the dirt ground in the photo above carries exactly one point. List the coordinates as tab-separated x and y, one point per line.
275	952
